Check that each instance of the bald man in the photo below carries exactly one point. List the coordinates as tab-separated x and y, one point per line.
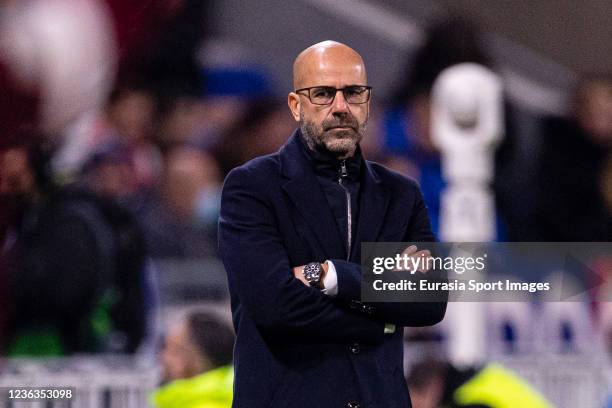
290	234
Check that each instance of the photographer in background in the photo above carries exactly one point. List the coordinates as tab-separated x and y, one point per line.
574	174
436	384
197	358
78	259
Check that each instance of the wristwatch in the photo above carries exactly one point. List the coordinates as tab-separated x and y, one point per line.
312	273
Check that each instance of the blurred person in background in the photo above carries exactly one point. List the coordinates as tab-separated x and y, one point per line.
16	181
437	384
180	216
197	364
181	119
574	177
76	277
262	129
129	122
109	172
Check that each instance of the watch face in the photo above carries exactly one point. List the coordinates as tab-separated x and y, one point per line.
312	272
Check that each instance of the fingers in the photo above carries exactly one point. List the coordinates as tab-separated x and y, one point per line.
298	273
410	250
418	259
297	270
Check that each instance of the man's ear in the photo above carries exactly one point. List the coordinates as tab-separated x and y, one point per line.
293	100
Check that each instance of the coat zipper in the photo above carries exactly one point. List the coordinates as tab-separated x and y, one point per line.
344	174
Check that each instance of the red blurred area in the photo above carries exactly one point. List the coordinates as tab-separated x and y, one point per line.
136	22
18	111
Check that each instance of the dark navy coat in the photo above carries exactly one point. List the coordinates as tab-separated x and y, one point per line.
295	346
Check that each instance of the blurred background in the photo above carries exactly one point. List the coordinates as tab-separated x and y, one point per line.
119	121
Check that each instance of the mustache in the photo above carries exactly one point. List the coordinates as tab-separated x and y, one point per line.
349	122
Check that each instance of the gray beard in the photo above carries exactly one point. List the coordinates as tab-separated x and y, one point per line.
316	140
308	134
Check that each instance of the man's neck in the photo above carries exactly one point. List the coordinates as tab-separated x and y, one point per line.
322	151
329	164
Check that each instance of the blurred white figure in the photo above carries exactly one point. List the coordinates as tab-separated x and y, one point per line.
466	127
467	123
65	50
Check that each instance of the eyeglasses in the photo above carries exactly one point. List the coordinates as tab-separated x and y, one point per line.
325	95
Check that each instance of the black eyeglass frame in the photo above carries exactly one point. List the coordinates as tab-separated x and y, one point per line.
366	87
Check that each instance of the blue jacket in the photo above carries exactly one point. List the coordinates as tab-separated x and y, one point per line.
296	347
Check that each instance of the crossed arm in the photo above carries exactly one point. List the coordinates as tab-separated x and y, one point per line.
347	290
349	277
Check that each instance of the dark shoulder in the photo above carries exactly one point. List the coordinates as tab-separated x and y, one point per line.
393	180
257	172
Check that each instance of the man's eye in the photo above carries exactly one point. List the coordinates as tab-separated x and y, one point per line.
354	91
322	93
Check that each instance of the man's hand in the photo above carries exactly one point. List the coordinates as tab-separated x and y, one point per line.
298	272
412	252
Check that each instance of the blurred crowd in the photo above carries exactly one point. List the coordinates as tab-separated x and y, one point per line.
140	179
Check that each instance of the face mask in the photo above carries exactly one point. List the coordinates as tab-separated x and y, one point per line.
207	206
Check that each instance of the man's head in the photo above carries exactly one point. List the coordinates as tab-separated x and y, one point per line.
201	342
330	123
593	108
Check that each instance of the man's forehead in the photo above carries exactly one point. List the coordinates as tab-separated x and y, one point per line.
329	63
333	75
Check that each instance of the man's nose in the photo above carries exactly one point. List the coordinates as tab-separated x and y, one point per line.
340	104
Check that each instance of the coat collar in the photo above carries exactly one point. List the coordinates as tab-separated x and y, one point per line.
302	187
327	165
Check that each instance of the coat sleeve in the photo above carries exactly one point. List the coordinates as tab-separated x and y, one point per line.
261	276
411	314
